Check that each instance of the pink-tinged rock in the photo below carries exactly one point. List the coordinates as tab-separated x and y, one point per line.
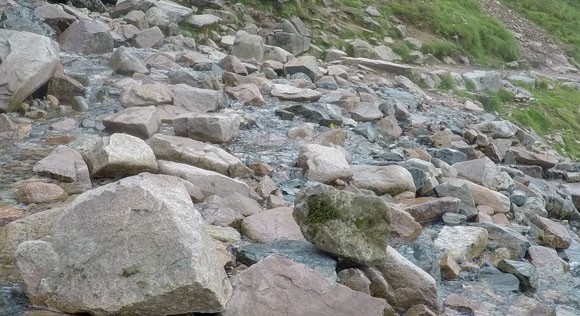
248	93
147	94
403	223
323	164
142	122
67	165
272	225
555	234
290	93
9	214
525	157
480	171
547	262
392	180
426	209
484	196
40	192
278	286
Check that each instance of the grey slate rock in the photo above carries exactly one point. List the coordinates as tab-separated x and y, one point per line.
523	270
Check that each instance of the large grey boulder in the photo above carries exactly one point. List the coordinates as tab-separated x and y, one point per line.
142	122
480	171
67	165
248	47
295	289
86	37
481	80
199	154
124	62
497	129
27	61
22	17
303	64
147	94
198	100
292	42
355	227
323	164
141	239
210	127
120	154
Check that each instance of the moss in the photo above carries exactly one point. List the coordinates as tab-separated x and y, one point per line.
320	210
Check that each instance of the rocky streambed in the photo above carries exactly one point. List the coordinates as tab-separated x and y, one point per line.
255	174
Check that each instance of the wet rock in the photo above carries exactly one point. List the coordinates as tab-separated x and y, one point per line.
323	114
271	225
352	226
249	94
120	154
291	93
309	290
86	37
210	127
124	62
480	171
149	38
482	80
28	62
462	242
147	94
142	122
504	237
323	164
40	192
67	165
198	100
198	154
498	281
554	234
355	279
209	182
298	251
392	180
248	48
402	283
524	271
158	209
484	196
427	209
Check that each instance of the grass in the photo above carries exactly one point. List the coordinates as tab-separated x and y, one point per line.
447	82
440	48
561	18
493	100
462	23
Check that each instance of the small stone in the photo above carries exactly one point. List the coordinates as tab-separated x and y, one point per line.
449	267
453	219
40	192
524	271
462	242
355	279
9	214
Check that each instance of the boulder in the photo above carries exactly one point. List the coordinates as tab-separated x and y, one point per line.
142	239
248	94
210	127
27	61
462	242
482	80
86	37
351	226
523	270
67	165
497	129
525	157
294	43
209	182
323	164
484	196
21	17
271	225
149	38
425	209
480	171
39	192
458	189
392	180
201	21
303	64
403	224
505	237
198	100
248	48
147	94
554	234
198	154
298	251
290	93
142	122
309	291
120	154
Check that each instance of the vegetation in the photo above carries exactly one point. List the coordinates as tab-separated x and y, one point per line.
492	100
447	82
320	210
559	17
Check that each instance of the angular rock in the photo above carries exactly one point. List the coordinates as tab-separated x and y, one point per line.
149	38
290	93
65	88
480	171
308	289
142	122
458	189
40	192
392	180
9	214
382	65
525	157
140	238
27	62
211	127
320	113
323	164
123	62
271	225
303	64
403	223
295	44
505	237
427	209
86	37
554	234
231	63
209	182
462	242
497	281
355	227
201	21
389	127
147	94
67	165
355	279
482	80
449	268
248	48
547	262
298	251
523	270
120	154
198	100
484	196
249	94
366	112
497	129
198	154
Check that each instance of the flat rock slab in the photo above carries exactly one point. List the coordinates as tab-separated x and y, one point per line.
198	154
309	291
298	251
210	127
555	234
480	171
383	179
382	65
462	241
147	94
120	154
351	226
197	100
67	165
141	239
209	182
142	122
290	93
271	225
427	209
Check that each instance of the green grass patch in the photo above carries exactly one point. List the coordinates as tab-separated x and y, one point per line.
492	101
447	82
561	18
440	48
463	23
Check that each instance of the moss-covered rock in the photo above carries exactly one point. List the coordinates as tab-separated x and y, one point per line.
354	227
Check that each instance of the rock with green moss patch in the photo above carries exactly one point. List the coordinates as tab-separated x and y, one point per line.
351	226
